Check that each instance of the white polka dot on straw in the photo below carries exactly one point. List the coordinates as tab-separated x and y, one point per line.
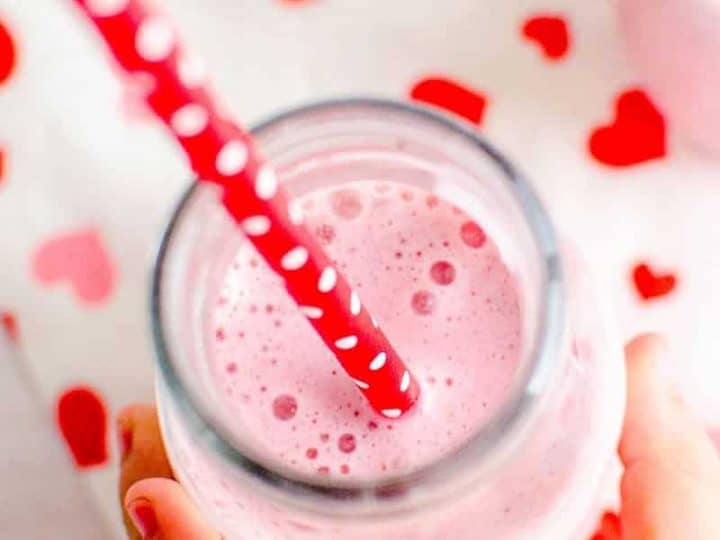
295	212
256	225
405	382
355	305
154	40
295	258
189	120
391	413
107	8
232	158
327	280
360	384
266	184
346	343
378	362
312	312
191	70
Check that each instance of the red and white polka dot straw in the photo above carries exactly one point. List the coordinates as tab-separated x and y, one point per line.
220	151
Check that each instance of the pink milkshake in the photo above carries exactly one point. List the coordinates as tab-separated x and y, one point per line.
520	407
433	281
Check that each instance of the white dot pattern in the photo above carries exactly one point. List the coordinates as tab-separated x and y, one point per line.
391	413
295	258
256	225
154	40
328	279
378	362
295	212
191	70
266	184
312	312
346	343
189	120
107	8
232	158
355	305
405	382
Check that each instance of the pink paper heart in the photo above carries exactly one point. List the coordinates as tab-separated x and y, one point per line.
79	258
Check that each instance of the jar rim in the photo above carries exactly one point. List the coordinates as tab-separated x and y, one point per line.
512	415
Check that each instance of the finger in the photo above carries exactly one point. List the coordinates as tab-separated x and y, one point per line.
672	472
160	509
143	452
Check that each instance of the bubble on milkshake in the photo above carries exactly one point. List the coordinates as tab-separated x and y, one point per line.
432	201
347	443
311	453
472	235
325	233
423	302
284	407
346	203
442	272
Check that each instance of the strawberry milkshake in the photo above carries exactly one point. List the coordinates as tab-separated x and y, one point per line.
520	405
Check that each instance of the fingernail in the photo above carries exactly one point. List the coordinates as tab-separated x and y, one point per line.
143	517
125	437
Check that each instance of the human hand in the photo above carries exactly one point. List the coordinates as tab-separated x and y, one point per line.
670	489
155	506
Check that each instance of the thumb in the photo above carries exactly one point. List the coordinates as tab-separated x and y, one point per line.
161	510
671	485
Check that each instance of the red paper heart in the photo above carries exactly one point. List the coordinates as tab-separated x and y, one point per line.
10	325
79	258
650	284
550	33
82	418
7	54
637	133
451	96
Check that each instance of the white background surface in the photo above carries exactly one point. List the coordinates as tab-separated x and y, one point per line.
76	160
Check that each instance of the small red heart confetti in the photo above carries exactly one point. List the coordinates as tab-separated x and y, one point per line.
451	96
650	284
80	258
82	417
636	135
10	325
7	53
551	34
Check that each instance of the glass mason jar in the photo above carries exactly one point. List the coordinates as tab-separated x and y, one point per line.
532	468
